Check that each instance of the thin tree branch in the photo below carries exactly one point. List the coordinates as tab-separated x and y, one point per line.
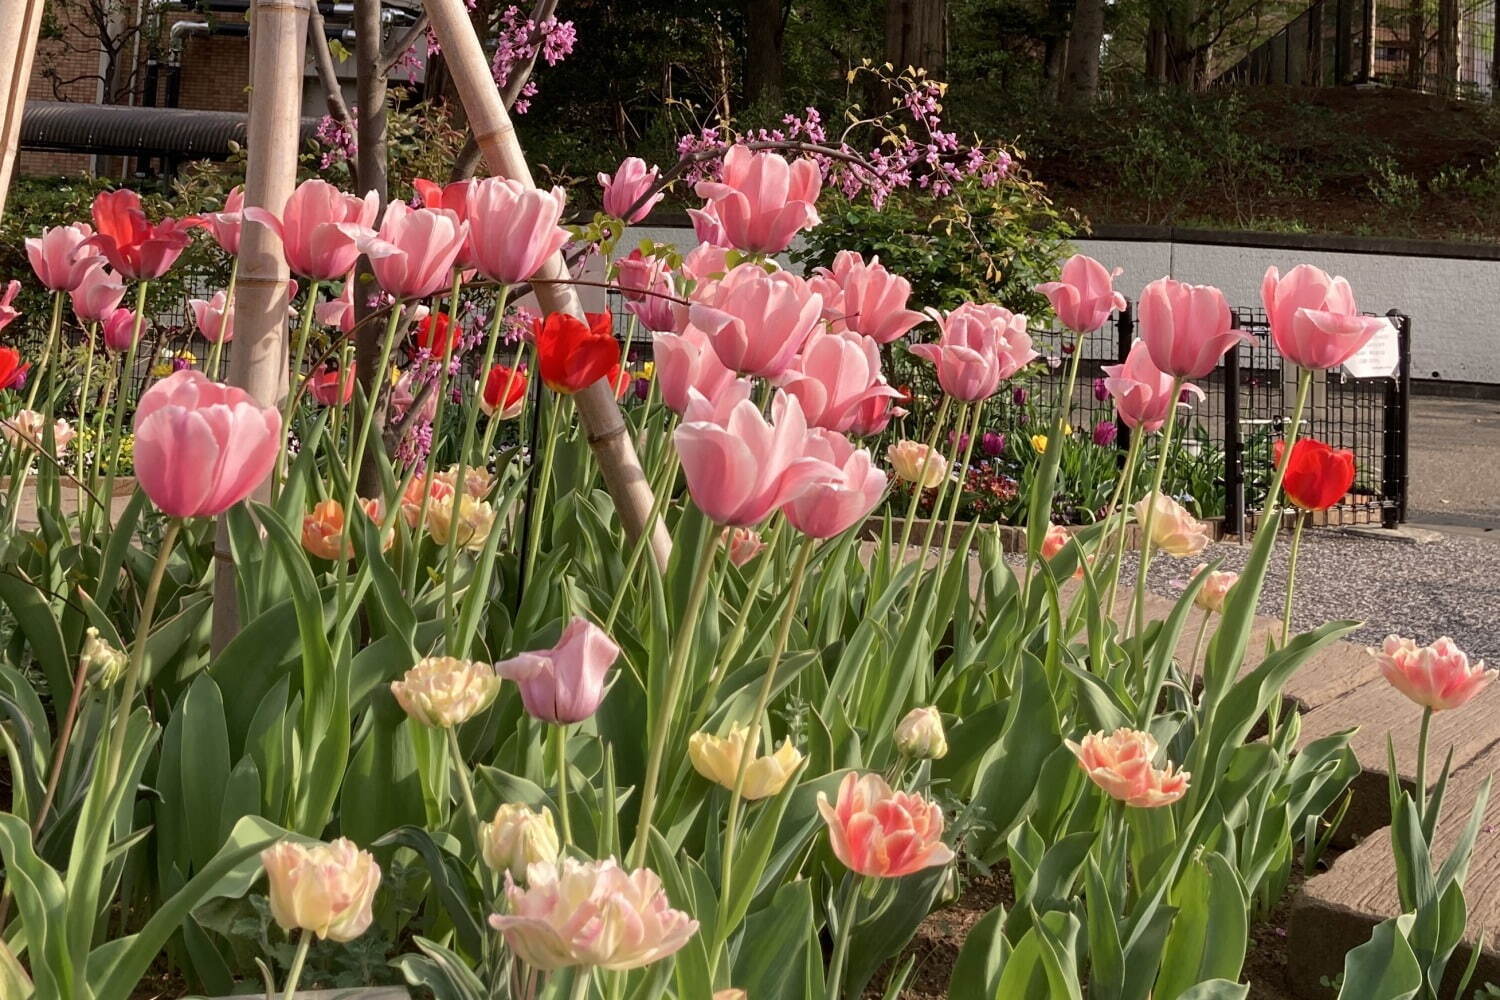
391	56
317	39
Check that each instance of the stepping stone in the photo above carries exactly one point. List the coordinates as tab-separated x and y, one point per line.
1336	911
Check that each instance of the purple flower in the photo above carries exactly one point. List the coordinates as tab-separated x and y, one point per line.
992	444
958	441
1019	396
1105	432
642	388
1101	391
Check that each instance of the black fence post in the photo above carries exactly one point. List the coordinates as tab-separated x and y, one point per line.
1396	433
1124	338
1234	456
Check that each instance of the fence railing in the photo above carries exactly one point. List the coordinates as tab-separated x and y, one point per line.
1445	47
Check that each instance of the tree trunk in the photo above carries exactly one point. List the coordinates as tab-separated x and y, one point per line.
764	34
1156	50
1055	47
1081	79
372	167
916	35
1447	46
1184	69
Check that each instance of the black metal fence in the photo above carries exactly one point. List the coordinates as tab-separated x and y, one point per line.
1446	47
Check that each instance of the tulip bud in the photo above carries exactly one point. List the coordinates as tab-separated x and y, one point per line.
518	837
104	663
920	734
443	691
323	888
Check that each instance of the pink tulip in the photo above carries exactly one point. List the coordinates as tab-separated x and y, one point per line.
62	256
636	273
1215	589
1438	676
515	228
980	345
202	447
834	376
865	298
593	914
119	329
214	317
686	361
742	544
8	312
1313	319
1085	295
135	247
757	322
650	292
1142	392
739	468
705	261
707	227
874	415
1121	764
564	684
1186	327
882	833
630	181
97	295
761	201
320	228
1057	539
831	508
414	253
338	312
225	226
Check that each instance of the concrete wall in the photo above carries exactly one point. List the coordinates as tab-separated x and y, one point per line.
1452	293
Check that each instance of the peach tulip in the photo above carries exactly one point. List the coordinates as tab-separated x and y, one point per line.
761	201
564	684
214	317
1142	392
444	691
28	428
517	838
740	468
433	487
1215	589
97	295
1121	764
202	447
687	361
324	888
980	345
914	462
469	525
515	228
831	508
626	186
416	249
62	256
920	734
591	913
321	228
1314	321
323	531
1186	328
1173	530
865	298
834	377
1084	295
756	322
1438	676
718	759
1056	539
743	544
879	832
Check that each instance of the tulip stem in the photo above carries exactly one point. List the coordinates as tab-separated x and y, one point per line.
845	933
1197	650
138	653
919	486
973	435
372	405
742	622
937	511
465	782
303	330
1422	737
538	517
661	492
45	366
752	738
216	353
559	737
1127	483
581	976
676	669
294	974
449	333
1291	577
1138	616
113	445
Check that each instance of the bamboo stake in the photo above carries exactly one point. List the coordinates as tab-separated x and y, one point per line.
258	363
20	23
492	129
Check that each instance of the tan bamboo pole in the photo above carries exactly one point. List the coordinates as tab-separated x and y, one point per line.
258	360
492	129
20	23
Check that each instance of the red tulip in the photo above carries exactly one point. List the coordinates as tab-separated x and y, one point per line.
132	245
573	356
12	369
325	386
436	332
504	392
1317	475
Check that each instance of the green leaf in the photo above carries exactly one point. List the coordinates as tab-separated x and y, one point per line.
1384	967
1207	940
43	905
452	882
976	973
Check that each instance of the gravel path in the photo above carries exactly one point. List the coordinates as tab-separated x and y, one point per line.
1448	587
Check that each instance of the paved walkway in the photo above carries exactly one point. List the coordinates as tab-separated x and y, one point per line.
1455	477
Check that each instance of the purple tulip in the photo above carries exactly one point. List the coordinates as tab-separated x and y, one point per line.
960	442
1018	395
992	444
1101	391
1105	432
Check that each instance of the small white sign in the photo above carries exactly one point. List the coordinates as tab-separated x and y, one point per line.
1380	358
